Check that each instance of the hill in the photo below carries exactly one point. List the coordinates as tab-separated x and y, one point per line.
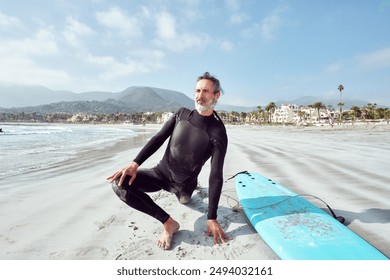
133	99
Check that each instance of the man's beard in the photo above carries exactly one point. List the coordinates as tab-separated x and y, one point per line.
208	106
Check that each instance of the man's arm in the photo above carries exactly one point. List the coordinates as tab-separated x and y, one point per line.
156	141
215	188
216	174
149	149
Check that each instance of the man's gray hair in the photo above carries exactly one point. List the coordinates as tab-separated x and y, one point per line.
208	76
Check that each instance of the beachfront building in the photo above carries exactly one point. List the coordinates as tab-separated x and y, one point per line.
165	117
82	118
308	114
294	114
287	113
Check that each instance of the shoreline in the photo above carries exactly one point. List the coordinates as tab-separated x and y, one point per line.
141	134
71	213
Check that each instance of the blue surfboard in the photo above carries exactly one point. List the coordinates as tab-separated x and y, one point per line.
296	229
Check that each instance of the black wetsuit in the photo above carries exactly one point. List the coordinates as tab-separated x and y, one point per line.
193	140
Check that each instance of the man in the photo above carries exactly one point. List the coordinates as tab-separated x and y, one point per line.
195	136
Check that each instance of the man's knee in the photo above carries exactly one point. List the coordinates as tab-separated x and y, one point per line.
119	190
183	198
182	192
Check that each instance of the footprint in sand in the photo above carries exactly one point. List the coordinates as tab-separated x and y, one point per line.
111	220
181	253
92	251
135	250
7	239
17	227
87	253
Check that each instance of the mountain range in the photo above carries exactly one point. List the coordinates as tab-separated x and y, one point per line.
133	99
130	100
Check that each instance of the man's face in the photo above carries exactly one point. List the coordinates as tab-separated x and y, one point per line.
205	98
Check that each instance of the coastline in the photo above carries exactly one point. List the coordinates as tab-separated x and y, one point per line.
70	212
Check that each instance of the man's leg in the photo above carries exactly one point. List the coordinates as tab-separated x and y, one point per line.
148	180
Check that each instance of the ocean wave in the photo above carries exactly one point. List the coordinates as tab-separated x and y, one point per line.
32	130
29	147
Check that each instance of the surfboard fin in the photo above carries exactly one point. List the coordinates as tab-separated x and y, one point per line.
341	219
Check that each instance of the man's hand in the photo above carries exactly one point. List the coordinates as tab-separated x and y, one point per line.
214	228
130	170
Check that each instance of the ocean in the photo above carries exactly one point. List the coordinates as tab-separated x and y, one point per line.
29	147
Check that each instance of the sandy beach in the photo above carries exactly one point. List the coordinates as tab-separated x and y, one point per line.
69	212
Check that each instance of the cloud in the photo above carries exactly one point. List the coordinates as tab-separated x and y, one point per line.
116	19
375	60
23	70
76	30
226	45
363	63
8	22
25	60
137	61
270	25
58	55
232	5
166	27
334	68
268	28
145	53
20	60
238	18
236	15
43	43
168	37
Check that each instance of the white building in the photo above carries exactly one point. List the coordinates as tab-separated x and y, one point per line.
287	113
165	117
291	113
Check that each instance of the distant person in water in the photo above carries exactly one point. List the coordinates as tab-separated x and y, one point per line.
194	137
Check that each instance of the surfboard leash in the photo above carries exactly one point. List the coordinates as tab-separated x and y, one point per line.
241	172
341	219
238	206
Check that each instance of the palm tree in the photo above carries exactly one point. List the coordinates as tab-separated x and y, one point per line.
243	117
386	114
234	116
223	116
318	106
340	104
356	112
301	115
310	107
371	110
340	88
270	108
260	113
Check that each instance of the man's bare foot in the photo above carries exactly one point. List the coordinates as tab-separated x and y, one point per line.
170	228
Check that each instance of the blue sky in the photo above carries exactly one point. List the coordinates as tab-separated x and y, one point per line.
261	50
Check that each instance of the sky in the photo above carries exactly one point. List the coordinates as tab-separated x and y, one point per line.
262	51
